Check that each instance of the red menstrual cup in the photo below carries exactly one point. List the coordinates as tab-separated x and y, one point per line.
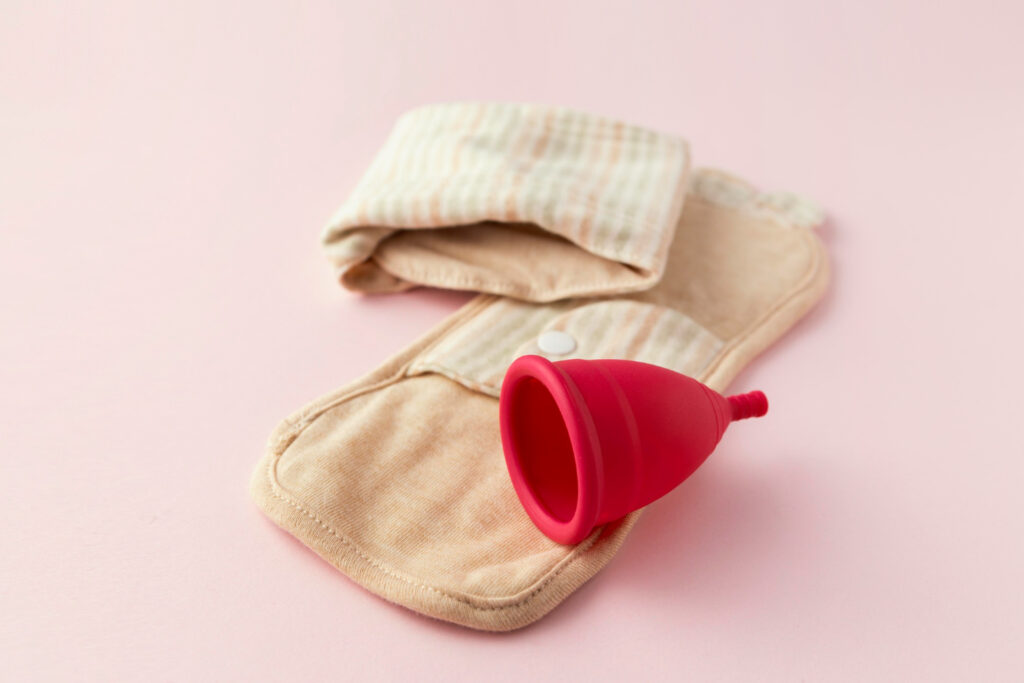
589	441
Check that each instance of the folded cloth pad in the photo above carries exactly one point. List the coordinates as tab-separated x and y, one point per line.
398	479
586	205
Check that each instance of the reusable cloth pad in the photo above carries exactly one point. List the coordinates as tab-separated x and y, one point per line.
398	479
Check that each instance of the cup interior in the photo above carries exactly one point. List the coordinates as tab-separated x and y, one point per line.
543	449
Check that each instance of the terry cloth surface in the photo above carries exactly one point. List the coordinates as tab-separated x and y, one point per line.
399	480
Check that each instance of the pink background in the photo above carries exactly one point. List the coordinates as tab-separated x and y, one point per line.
164	174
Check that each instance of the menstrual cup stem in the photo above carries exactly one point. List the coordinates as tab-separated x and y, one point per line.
750	404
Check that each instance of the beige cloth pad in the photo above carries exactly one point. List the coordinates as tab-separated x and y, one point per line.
398	479
458	185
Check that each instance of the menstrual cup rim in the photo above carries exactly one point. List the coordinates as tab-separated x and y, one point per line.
582	437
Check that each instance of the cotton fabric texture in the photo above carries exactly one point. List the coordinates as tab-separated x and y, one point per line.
455	185
566	221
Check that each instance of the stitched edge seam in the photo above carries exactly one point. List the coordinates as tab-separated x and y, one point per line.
278	492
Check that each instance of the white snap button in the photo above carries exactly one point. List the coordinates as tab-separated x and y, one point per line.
556	342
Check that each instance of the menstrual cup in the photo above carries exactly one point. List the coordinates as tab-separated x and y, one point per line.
589	441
